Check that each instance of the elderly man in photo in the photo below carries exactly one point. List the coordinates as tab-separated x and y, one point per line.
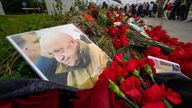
82	61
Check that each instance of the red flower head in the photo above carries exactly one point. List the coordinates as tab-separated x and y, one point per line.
131	87
155	51
131	65
108	74
108	15
186	68
144	61
136	18
158	28
133	54
153	96
117	19
158	34
178	55
124	40
116	42
124	28
95	13
118	57
113	30
142	23
105	5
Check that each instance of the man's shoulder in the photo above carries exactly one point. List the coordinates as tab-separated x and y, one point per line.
94	47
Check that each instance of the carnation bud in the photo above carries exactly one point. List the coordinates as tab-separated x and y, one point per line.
120	79
148	69
136	73
116	89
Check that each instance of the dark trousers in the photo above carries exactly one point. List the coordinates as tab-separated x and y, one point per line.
187	11
182	12
150	13
173	12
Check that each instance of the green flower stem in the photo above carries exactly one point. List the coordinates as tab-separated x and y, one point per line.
131	104
114	51
142	82
101	40
136	73
120	79
119	93
152	78
149	71
167	103
148	42
124	59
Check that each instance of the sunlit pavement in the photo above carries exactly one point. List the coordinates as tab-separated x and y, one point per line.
179	29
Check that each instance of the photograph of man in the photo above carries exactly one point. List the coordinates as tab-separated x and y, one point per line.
77	62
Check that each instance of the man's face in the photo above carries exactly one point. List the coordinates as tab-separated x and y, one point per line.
65	50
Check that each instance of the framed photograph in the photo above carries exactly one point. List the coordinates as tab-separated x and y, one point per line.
62	54
162	65
166	67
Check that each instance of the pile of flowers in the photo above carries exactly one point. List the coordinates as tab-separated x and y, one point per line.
129	82
133	80
126	31
181	53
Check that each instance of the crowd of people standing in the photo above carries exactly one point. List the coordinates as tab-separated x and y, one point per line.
177	9
142	9
169	9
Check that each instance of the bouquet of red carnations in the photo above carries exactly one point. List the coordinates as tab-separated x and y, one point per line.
128	84
133	80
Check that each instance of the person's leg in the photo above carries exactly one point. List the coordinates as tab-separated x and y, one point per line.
182	12
165	14
187	11
168	13
160	14
178	13
150	13
172	13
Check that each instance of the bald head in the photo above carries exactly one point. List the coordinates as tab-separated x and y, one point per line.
61	46
51	39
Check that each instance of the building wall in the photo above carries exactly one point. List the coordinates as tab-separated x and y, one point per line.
1	9
66	5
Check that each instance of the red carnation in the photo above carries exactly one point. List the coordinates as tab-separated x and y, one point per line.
153	96
158	28
124	40
155	51
117	19
113	31
131	65
186	68
118	57
108	15
134	54
131	87
116	42
107	74
124	28
105	5
144	61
